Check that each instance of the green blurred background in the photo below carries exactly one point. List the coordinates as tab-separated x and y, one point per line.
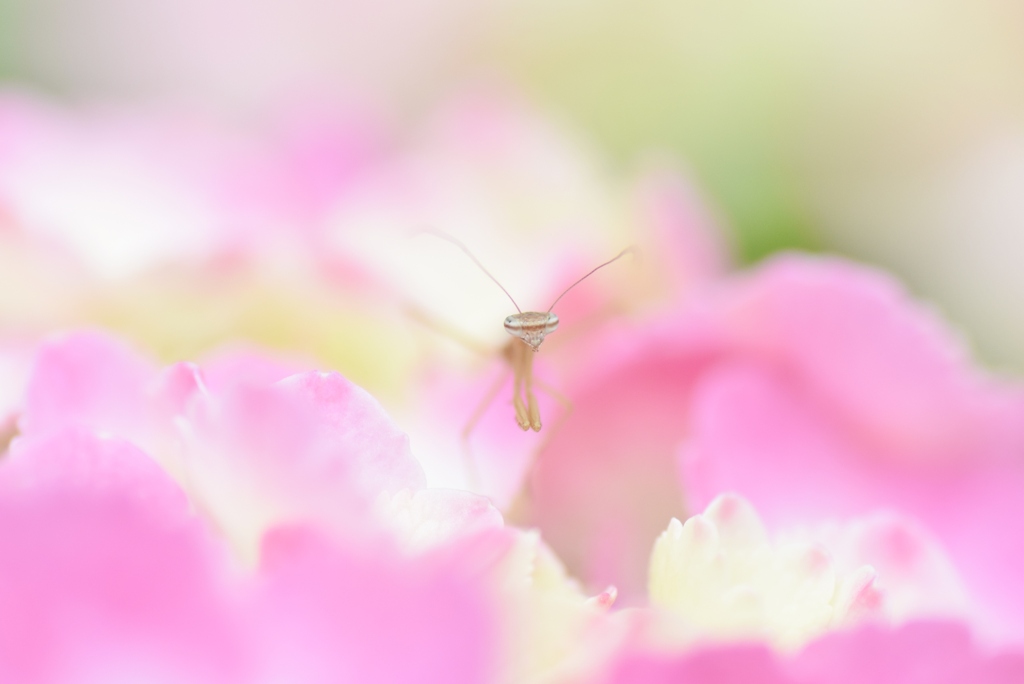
888	130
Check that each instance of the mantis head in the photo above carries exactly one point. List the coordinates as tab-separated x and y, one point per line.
531	326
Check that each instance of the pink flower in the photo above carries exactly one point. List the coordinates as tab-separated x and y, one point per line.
129	190
110	573
248	518
871	406
815	389
254	449
106	575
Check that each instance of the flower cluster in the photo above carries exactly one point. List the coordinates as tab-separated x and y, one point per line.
790	474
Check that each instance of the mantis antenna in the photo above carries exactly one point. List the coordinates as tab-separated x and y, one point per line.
618	256
457	243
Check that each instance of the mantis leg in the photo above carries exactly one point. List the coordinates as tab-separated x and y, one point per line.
478	413
520	358
519	511
531	398
8	431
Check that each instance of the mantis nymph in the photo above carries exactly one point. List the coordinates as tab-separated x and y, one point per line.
529	329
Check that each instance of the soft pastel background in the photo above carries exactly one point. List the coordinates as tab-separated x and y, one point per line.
235	375
890	131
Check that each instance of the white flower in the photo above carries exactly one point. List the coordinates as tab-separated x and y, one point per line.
720	573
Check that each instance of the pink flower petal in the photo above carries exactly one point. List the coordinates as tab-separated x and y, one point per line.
919	652
173	390
76	461
932	652
95	382
329	615
313	445
605	484
726	665
105	577
241	365
432	517
253	449
910	572
319	430
684	243
91	380
127	190
863	351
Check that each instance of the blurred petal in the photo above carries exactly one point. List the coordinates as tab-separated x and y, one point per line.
713	666
934	652
91	380
77	462
552	630
853	341
331	615
105	575
312	445
919	652
683	244
432	517
754	434
606	482
97	383
241	365
720	573
912	574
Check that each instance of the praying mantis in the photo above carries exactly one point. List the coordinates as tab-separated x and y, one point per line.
528	329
